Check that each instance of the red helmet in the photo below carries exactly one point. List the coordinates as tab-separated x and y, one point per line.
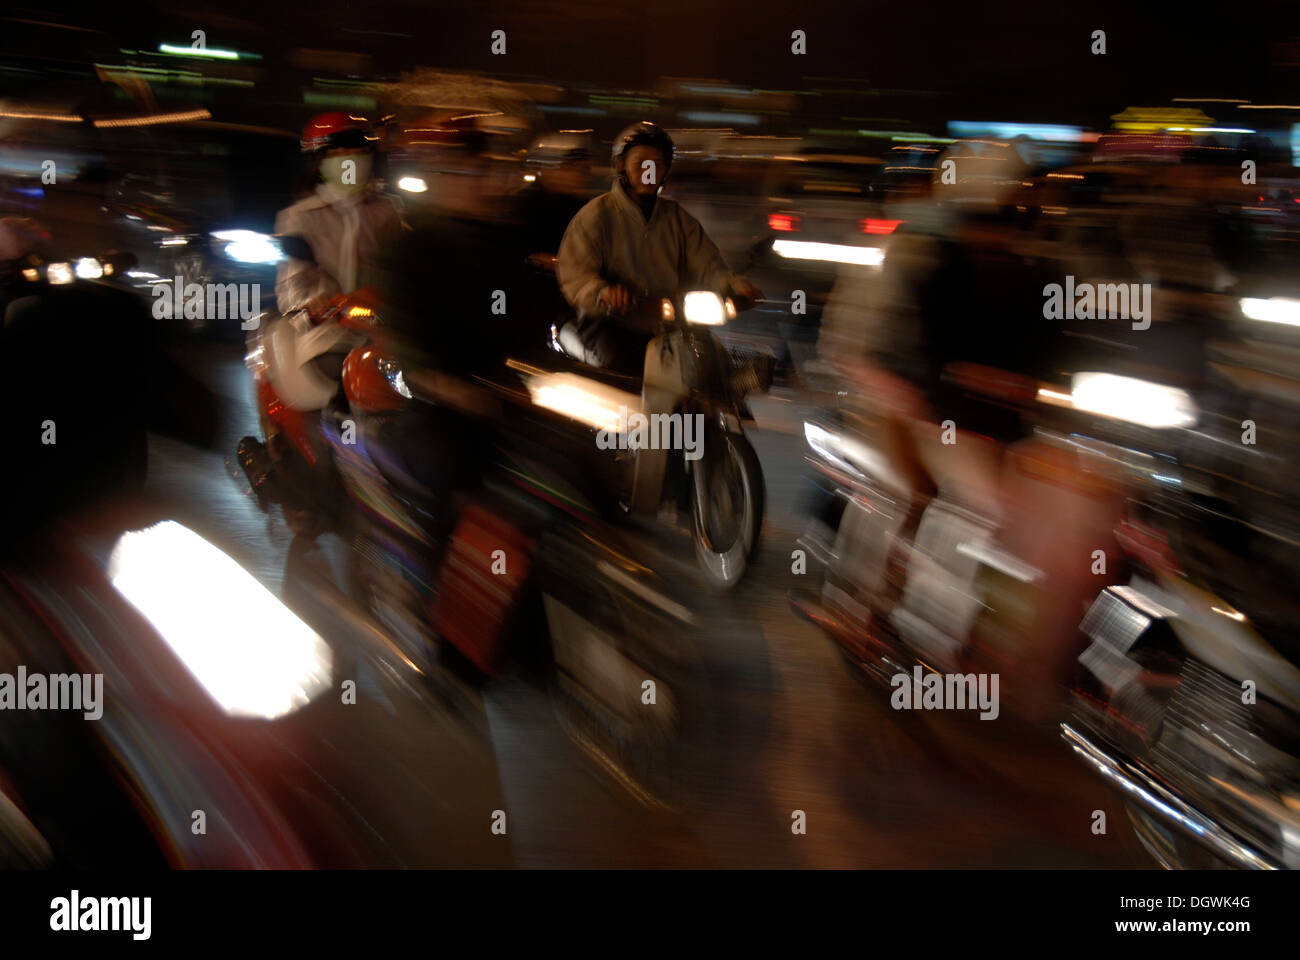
335	130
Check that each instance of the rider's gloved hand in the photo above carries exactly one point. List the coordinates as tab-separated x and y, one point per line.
316	304
745	294
614	299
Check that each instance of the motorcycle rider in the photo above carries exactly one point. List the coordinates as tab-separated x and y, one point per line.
349	225
631	242
968	289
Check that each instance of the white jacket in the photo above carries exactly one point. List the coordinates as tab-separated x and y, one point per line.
609	241
349	235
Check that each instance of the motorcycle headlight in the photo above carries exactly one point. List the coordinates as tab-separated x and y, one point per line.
88	268
828	445
60	272
248	246
246	648
392	372
1132	400
1272	310
849	454
412	184
704	307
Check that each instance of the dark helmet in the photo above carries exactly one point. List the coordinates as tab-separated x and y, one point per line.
642	133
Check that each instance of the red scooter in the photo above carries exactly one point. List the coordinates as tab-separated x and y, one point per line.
297	359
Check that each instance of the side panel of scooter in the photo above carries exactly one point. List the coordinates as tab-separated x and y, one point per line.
940	601
856	572
364	484
297	384
661	391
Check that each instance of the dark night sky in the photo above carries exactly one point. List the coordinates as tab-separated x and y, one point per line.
997	59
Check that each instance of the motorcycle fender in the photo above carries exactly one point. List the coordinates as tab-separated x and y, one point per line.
662	389
648	480
663	370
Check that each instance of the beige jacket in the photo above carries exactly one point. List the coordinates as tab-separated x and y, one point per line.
609	241
349	235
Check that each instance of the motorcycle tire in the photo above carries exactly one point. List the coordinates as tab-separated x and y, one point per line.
724	566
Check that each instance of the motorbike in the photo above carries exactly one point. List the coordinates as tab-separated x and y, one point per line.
95	592
687	380
503	566
915	581
295	360
1180	688
1186	700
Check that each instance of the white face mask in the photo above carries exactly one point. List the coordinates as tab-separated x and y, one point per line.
346	174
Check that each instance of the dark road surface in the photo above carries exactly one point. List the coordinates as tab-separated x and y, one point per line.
782	725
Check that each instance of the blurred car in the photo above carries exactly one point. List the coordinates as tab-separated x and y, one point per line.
201	204
983	173
819	210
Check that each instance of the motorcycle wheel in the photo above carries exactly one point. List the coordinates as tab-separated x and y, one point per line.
727	506
635	747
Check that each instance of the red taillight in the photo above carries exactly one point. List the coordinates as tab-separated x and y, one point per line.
784	222
878	226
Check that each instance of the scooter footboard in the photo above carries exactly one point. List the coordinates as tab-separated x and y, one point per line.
941	597
855	575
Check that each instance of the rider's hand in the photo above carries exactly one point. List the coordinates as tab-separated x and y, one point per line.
615	298
316	305
747	292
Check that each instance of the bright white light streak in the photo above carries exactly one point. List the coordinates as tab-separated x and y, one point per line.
246	648
1132	400
831	252
1273	310
588	401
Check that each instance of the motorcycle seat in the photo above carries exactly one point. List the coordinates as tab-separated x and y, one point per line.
584	361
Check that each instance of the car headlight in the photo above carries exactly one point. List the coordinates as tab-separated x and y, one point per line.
1272	310
246	648
412	184
60	272
1134	401
88	268
705	307
249	246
